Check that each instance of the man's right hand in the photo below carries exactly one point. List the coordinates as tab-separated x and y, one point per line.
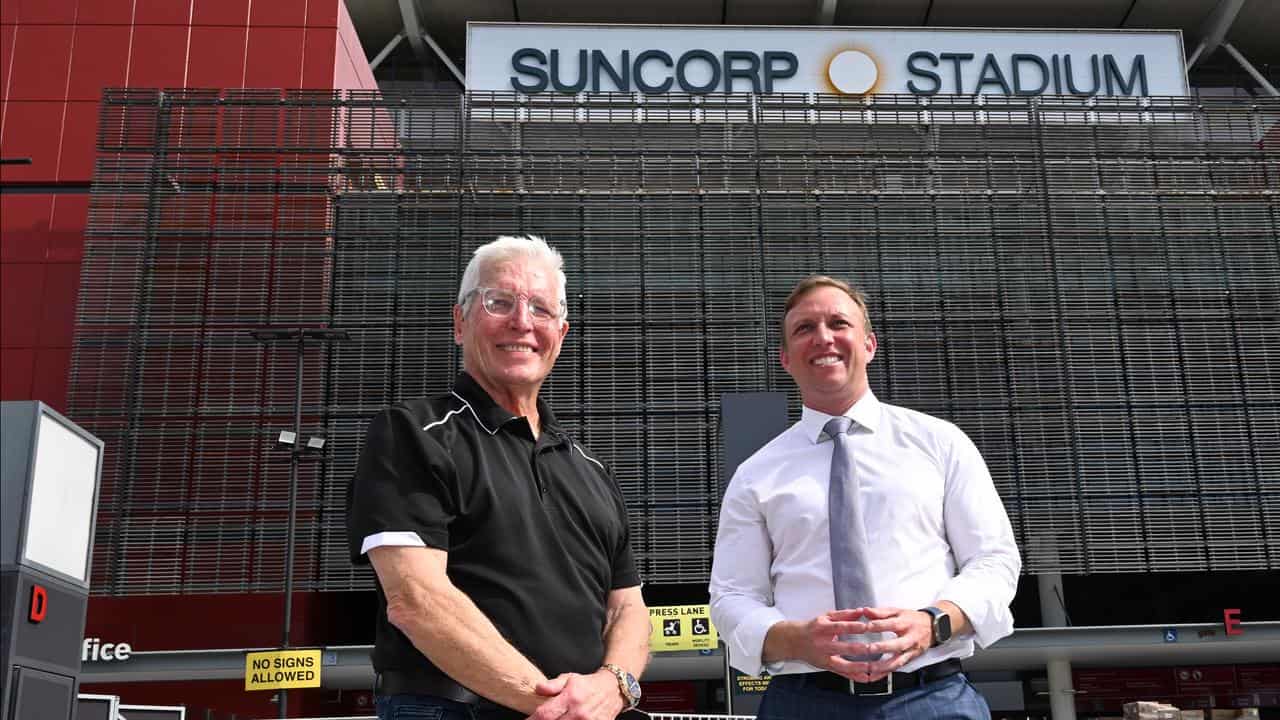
817	641
572	696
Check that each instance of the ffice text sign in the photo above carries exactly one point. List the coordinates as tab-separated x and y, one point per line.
661	59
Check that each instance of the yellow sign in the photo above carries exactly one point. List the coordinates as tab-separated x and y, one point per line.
681	627
749	684
282	669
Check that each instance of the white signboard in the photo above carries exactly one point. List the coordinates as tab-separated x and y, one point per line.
63	488
660	59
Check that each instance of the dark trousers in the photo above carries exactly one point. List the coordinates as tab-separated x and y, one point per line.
790	697
429	707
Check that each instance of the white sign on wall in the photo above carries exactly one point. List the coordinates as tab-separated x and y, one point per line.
659	59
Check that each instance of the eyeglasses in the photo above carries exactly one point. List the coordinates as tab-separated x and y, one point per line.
501	303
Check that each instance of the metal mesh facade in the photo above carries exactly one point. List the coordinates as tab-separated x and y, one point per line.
1089	288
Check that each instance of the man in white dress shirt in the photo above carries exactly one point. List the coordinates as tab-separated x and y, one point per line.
940	559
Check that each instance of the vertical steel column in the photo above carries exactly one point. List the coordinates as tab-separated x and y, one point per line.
1053	613
293	509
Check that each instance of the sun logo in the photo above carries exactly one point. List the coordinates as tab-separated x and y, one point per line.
852	72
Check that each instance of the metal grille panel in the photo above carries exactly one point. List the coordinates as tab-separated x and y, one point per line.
1090	289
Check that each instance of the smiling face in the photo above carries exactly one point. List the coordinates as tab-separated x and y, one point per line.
826	349
511	356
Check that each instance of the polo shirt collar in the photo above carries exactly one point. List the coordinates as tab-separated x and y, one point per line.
492	415
865	412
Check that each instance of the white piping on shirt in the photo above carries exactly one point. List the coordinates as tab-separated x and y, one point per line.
442	420
467	405
583	454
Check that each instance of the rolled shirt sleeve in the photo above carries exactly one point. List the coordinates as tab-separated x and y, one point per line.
982	541
741	589
396	497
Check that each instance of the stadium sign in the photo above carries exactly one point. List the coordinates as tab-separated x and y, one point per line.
660	59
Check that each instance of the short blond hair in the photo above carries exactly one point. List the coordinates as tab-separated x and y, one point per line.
813	282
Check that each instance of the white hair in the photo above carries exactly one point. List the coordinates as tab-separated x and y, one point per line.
505	249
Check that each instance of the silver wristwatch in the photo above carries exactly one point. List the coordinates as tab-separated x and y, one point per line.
627	685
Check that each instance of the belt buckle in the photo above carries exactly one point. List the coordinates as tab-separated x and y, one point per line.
888	687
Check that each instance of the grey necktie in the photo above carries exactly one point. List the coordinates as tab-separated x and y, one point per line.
850	569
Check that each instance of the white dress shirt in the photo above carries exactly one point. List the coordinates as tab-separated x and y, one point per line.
937	529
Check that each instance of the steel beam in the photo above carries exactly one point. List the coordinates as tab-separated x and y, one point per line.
413	29
386	50
1215	29
1249	68
457	74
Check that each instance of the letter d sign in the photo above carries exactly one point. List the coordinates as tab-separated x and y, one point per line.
39	604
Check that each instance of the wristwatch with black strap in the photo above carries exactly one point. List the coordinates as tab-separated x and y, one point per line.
627	685
941	625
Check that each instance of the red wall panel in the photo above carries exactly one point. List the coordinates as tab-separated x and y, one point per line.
79	142
323	13
158	56
104	12
221	12
15	373
24	227
58	311
49	376
8	13
216	57
162	12
23	245
21	293
278	13
7	33
66	238
25	211
319	47
31	130
70	212
275	57
45	12
99	58
42	54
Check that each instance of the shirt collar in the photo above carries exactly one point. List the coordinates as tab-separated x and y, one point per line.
492	415
865	412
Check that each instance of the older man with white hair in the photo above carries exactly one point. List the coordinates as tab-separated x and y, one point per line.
506	581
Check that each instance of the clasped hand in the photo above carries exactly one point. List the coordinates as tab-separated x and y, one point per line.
911	634
572	696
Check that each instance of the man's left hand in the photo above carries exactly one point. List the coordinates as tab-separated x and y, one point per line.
580	697
913	635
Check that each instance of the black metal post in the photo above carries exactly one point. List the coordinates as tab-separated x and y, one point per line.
297	448
293	509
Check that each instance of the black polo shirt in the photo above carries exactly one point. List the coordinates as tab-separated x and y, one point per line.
536	531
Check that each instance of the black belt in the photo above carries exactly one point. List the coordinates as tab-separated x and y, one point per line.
889	685
400	682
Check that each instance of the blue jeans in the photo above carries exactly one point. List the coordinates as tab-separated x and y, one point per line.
951	698
429	707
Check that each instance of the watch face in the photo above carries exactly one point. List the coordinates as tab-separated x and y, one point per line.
633	687
942	628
